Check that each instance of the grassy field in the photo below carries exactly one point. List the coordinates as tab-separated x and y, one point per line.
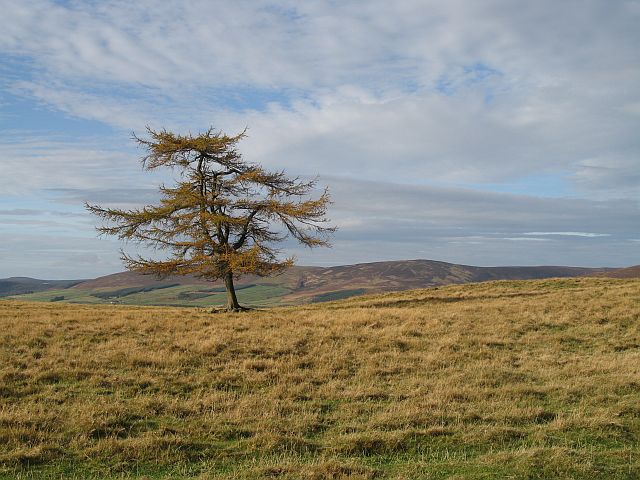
178	295
530	379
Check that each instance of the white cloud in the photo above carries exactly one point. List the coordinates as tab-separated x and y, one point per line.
524	239
36	164
115	112
616	174
456	91
425	137
570	234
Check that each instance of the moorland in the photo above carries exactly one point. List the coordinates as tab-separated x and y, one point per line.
510	379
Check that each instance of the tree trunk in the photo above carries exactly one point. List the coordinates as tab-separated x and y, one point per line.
232	300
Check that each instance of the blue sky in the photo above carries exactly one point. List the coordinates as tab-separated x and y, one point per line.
485	133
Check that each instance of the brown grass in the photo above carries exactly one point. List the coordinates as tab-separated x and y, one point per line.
535	379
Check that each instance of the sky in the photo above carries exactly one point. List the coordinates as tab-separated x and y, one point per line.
487	133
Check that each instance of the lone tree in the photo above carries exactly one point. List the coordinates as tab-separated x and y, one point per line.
222	217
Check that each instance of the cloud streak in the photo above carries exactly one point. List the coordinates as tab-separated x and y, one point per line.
570	234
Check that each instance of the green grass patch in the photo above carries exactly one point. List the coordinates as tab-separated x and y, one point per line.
338	295
123	292
166	295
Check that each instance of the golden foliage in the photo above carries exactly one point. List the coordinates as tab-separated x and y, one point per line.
222	219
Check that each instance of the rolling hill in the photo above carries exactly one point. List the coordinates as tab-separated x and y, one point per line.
298	285
26	285
629	272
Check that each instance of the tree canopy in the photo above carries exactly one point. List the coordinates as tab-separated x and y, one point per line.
223	216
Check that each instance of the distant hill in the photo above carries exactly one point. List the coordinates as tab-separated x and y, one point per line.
391	275
297	285
629	272
22	285
289	278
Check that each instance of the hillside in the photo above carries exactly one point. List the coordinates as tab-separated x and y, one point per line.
629	272
26	285
391	275
513	379
297	285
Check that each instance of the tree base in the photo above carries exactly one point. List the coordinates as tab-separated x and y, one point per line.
230	310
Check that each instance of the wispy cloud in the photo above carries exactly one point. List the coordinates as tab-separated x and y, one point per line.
570	234
35	163
18	212
524	239
450	91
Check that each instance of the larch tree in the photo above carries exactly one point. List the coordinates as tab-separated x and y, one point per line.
223	216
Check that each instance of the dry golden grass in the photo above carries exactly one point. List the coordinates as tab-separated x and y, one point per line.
535	379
